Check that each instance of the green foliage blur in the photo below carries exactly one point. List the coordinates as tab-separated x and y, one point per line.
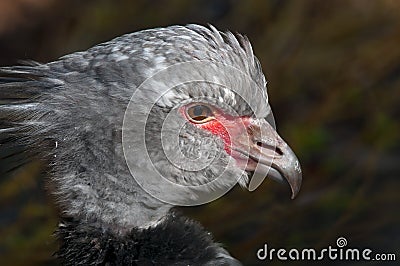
333	70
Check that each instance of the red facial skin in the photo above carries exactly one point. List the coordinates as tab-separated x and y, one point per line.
228	128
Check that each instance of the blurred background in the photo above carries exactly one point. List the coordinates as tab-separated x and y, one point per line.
334	84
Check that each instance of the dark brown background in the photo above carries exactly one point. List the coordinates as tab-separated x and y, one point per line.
334	85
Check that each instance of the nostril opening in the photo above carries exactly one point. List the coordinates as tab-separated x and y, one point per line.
266	146
278	151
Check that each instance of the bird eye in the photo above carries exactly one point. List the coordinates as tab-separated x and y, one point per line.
199	113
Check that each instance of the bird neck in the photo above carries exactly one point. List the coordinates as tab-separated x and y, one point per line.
111	202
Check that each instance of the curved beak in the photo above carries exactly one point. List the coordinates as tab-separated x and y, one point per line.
268	156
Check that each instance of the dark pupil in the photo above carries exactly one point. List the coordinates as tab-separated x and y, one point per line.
198	110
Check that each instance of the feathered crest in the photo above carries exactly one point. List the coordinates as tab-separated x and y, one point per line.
21	88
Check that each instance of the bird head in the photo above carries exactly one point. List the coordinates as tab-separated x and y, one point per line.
206	124
203	138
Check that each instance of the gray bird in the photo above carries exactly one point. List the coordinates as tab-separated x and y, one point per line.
131	127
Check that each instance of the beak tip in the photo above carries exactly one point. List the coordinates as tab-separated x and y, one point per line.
295	188
294	194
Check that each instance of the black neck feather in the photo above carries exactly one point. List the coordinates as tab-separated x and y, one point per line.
175	241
